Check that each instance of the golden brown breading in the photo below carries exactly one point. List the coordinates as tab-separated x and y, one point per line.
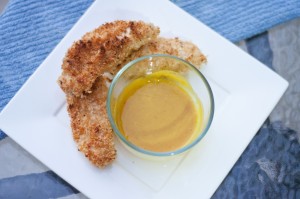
102	49
176	47
89	121
183	49
90	125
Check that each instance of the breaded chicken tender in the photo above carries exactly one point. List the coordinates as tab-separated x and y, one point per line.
104	48
176	47
90	125
89	121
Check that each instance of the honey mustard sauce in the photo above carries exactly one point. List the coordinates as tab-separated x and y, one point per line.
159	112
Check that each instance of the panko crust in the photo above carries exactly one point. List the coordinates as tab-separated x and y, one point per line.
90	125
100	50
172	46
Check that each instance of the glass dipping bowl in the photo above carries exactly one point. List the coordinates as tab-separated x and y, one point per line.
146	65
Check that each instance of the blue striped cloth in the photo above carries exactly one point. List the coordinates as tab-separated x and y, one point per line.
240	19
29	30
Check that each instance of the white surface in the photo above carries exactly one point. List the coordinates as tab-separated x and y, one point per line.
245	90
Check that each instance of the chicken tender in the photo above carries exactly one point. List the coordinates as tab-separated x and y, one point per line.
176	47
90	125
102	49
89	121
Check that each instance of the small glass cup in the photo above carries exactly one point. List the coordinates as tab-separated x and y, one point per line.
146	65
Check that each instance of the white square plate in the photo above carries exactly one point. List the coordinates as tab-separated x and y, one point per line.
245	93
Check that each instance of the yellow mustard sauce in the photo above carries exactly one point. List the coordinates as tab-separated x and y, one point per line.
159	112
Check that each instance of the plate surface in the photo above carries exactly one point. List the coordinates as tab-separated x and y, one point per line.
245	93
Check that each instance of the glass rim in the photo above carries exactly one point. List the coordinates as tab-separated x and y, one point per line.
144	151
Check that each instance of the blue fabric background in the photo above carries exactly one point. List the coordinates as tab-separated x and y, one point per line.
29	30
240	19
